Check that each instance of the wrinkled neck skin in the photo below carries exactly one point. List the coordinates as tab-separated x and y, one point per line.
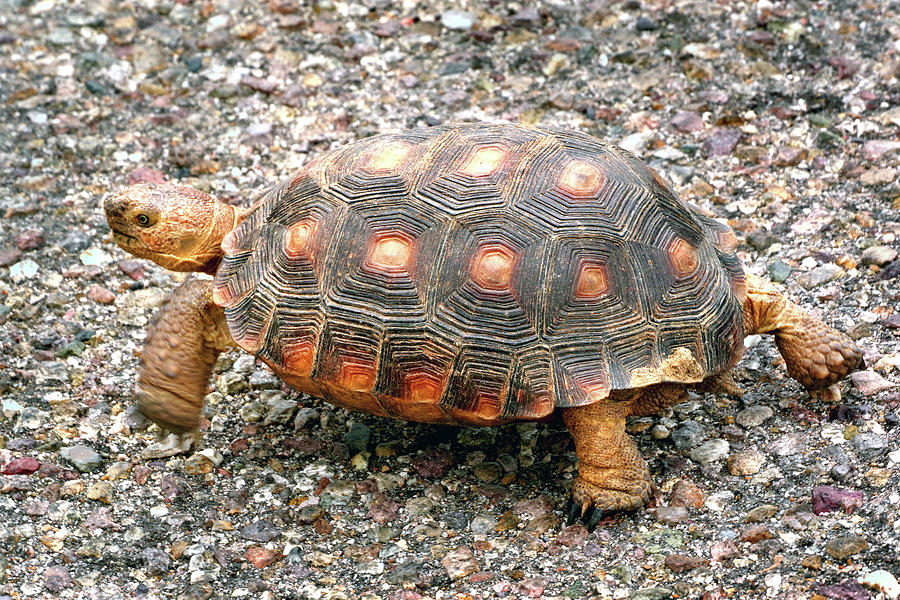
207	254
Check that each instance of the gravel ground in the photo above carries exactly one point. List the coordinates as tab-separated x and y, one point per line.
783	118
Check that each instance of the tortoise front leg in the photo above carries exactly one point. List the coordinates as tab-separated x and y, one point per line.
612	475
815	354
183	343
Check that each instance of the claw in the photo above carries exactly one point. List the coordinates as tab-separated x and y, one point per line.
572	512
596	516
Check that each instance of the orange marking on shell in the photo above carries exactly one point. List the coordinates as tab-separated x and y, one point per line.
683	257
299	237
492	266
389	251
487	406
250	343
581	179
388	157
596	391
484	161
726	241
422	388
592	281
220	295
298	358
357	376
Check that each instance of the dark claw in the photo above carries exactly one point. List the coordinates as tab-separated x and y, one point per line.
593	517
573	511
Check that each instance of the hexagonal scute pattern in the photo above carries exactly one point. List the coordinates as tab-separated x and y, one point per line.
480	274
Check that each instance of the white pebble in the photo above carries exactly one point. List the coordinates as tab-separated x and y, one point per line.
22	270
95	256
883	581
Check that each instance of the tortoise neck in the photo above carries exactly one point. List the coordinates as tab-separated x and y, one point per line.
208	251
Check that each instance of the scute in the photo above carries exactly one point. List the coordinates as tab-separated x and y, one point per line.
481	274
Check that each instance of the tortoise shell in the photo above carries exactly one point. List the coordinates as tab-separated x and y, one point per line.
480	274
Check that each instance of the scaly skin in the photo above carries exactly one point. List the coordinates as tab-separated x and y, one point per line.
183	343
612	475
815	354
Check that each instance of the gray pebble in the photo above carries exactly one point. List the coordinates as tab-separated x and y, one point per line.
672	515
281	410
660	432
306	417
779	271
878	255
156	562
264	380
358	438
31	418
260	531
230	383
61	36
482	523
753	416
82	457
788	444
820	275
689	435
710	452
839	472
652	593
457	520
252	412
52	371
869	444
419	505
56	579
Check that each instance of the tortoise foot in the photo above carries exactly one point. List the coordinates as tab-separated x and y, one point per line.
170	412
818	356
592	503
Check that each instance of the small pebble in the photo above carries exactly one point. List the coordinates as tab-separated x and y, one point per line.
459	563
761	513
689	435
82	457
261	557
672	515
869	383
686	493
882	581
845	546
753	416
457	19
711	451
746	462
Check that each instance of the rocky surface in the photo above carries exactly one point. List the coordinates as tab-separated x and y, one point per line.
782	118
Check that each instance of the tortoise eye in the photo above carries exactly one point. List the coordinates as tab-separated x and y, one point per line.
143	220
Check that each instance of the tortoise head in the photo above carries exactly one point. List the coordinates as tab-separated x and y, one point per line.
176	227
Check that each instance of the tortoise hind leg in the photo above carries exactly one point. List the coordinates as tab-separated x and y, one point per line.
815	354
183	343
612	475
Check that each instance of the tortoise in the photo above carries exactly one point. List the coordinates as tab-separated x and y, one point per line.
473	274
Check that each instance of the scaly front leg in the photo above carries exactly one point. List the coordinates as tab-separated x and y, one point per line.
183	342
612	475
